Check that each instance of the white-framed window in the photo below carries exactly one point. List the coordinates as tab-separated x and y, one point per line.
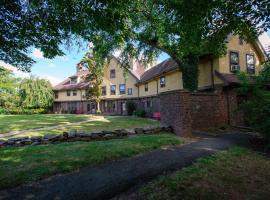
146	87
129	91
250	62
103	90
74	92
234	61
113	89
122	89
112	73
162	81
68	93
56	94
73	80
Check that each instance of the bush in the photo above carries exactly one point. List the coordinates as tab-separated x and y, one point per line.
131	107
21	111
140	112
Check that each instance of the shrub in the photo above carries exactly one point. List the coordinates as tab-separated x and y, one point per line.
140	112
21	111
131	107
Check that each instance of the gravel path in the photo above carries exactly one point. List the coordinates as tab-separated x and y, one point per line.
108	180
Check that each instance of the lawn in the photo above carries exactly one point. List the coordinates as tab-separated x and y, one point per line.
106	123
10	123
234	174
24	164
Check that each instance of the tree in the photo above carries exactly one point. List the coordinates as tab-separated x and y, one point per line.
94	77
8	86
36	93
184	29
257	107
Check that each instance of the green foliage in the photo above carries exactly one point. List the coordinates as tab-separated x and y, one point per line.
182	29
257	107
140	112
36	93
8	85
21	111
94	77
131	107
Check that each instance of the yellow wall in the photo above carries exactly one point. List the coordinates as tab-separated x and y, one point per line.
245	48
62	96
119	79
173	81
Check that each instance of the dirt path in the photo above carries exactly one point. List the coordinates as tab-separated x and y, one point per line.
107	180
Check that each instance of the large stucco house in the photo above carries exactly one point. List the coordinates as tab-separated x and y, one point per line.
143	85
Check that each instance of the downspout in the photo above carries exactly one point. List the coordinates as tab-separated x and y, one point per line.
212	73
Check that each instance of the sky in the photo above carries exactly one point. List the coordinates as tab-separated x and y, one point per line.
59	68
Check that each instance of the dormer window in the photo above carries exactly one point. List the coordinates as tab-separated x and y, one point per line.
73	80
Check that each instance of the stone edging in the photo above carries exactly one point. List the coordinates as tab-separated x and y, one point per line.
74	135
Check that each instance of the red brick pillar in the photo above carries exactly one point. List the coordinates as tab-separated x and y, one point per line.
175	109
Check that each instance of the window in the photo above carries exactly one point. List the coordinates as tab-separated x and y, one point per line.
146	87
74	92
113	89
56	94
241	41
73	80
234	61
88	107
68	92
162	81
103	91
148	104
122	89
112	73
250	59
129	91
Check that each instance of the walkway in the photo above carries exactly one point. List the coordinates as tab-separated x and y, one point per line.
108	180
46	128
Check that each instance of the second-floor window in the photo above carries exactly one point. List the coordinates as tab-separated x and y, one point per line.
129	91
103	91
122	88
146	87
112	73
56	94
234	61
250	59
162	81
68	92
113	89
74	92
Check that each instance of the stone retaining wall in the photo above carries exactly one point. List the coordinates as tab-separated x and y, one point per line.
74	135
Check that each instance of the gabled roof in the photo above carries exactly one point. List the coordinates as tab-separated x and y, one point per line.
163	67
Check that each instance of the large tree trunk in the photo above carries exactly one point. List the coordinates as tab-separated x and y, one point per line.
190	72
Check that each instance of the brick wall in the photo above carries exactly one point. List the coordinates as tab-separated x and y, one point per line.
175	111
209	110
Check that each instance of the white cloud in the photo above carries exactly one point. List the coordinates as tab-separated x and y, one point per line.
16	72
51	65
54	80
37	54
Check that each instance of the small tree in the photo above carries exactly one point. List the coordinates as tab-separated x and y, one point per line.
95	77
131	107
257	108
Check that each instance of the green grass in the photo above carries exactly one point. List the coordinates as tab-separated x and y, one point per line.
106	123
24	164
234	174
10	123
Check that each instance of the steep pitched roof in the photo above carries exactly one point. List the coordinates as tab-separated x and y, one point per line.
163	67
